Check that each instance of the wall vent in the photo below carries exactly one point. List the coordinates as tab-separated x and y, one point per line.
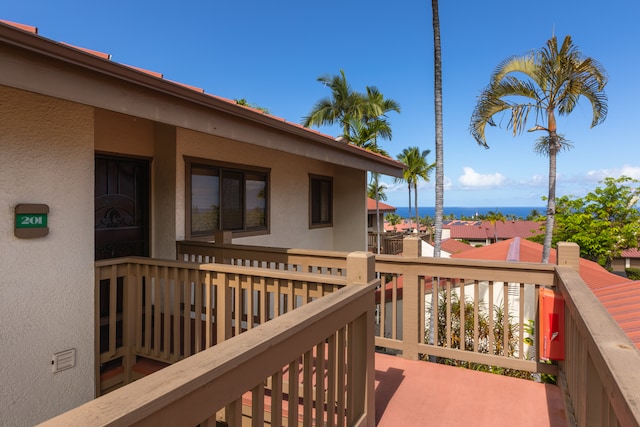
63	360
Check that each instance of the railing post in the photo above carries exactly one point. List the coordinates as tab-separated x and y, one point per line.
569	255
223	238
361	268
412	247
361	345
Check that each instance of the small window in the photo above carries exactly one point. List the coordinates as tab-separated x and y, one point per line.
321	201
226	197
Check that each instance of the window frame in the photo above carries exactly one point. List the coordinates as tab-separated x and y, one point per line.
312	198
231	168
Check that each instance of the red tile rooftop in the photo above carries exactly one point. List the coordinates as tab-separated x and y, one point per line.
416	393
631	253
371	206
454	246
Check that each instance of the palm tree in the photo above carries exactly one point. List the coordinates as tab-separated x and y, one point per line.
437	65
377	105
417	169
374	190
493	217
394	219
343	104
553	80
361	116
534	215
366	135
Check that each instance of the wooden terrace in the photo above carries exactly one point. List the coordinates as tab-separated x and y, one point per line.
265	336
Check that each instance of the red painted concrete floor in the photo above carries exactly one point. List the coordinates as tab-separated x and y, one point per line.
416	393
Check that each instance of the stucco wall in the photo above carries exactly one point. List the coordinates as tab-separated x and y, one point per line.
289	194
46	285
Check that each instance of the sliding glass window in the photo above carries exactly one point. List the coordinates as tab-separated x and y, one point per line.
226	198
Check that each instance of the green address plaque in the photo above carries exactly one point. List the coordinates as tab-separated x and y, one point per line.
31	221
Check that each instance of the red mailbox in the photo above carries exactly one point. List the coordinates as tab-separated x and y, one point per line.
551	331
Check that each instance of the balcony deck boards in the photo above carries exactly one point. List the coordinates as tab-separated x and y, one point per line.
416	393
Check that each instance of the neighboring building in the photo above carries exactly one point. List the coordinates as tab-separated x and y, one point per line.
118	161
383	208
481	233
629	258
448	247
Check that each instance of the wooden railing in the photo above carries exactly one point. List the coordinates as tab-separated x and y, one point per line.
390	243
601	370
481	315
300	260
600	373
168	310
310	366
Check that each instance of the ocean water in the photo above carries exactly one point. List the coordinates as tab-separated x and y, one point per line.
518	211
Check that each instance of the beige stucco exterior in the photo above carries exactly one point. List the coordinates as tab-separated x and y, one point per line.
59	107
46	290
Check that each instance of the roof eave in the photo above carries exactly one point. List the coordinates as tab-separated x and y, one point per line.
43	46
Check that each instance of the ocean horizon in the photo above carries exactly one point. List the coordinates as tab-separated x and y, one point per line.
458	211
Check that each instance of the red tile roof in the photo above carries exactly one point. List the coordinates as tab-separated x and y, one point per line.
454	246
474	230
371	206
23	27
623	303
630	253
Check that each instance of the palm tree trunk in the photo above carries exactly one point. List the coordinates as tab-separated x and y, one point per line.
437	65
437	238
409	185
375	175
415	199
551	199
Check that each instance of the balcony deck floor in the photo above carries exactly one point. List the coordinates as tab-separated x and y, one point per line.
417	393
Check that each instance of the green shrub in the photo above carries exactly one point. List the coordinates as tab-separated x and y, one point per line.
633	273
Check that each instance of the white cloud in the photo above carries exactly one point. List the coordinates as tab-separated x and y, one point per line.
473	179
626	170
448	184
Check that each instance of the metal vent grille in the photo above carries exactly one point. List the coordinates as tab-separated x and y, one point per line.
63	360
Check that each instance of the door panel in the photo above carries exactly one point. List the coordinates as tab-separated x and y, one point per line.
121	207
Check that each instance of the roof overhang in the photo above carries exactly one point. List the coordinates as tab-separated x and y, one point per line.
37	64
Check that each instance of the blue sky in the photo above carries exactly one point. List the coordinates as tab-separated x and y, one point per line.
271	53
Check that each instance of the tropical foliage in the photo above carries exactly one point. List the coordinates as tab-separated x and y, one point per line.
393	219
547	82
350	109
376	191
245	103
462	336
604	222
362	118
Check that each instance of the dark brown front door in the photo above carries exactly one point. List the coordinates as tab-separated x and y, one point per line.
121	207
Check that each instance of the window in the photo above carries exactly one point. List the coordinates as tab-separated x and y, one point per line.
321	201
226	197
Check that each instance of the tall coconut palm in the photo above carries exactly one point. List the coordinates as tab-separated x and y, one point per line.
417	169
548	81
437	66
